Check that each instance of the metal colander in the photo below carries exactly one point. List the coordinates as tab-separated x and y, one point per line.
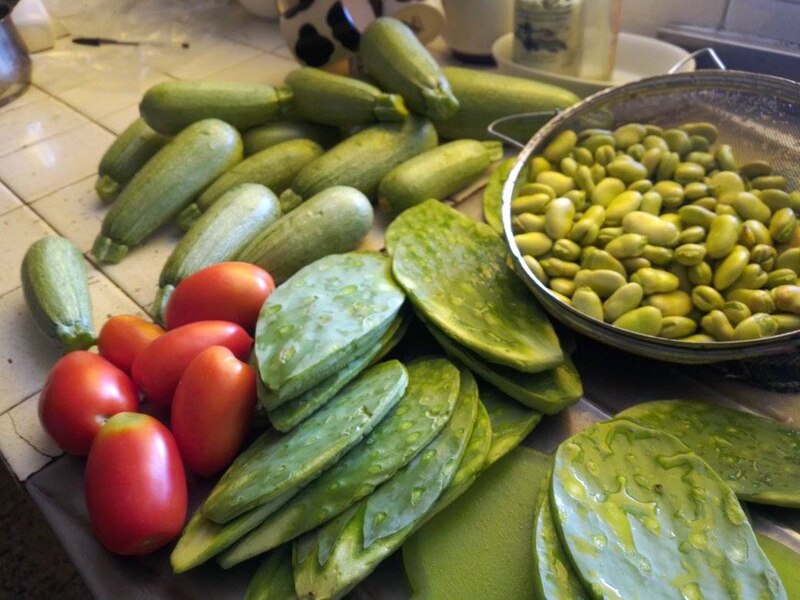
758	115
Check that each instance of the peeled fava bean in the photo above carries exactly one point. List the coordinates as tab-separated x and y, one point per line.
787	298
657	231
755	326
602	281
645	319
626	245
586	300
654	280
723	235
623	300
716	324
676	327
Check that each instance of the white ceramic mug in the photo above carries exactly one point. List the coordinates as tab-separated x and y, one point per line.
424	17
472	26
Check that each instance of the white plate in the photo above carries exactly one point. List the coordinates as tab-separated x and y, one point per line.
637	57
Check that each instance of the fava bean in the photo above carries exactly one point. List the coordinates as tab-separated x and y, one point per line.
694	215
722	235
636	151
716	325
561	146
645	320
700	274
627	170
654	280
594	142
671	304
598	172
605	191
755	326
671	193
566	250
561	297
687	172
657	255
558	218
603	281
695	190
667	165
690	254
658	232
584	232
736	312
708	131
560	183
568	166
703	159
656	141
527	222
650	160
678	141
534	243
563	286
641	185
675	327
775	199
725	158
753	277
536	268
629	134
586	300
530	189
623	300
765	256
625	245
539	165
692	235
756	168
651	202
754	233
750	207
583	177
707	202
577	197
620	206
584	156
778	277
787	298
725	183
756	300
766	182
786	322
699	143
604	155
698	338
706	298
534	203
635	263
725	209
601	260
555	267
782	225
731	267
608	234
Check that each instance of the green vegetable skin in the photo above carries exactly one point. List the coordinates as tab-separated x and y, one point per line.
641	516
310	448
424	409
455	272
167	183
510	423
492	195
56	291
313	324
218	236
125	156
785	561
480	548
289	415
264	136
554	577
330	561
273	580
758	458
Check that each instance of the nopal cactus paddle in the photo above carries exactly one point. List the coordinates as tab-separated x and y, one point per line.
510	422
454	271
299	456
641	516
322	316
424	409
758	458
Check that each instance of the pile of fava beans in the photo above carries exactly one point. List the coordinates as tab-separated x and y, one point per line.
662	232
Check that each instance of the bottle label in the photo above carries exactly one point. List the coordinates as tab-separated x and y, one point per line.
545	33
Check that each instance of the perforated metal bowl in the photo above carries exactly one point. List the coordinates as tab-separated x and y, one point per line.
758	115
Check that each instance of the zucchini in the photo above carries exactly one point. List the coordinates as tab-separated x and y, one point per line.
332	222
57	294
171	106
276	167
399	62
264	136
331	99
485	97
363	159
125	156
168	182
437	173
218	236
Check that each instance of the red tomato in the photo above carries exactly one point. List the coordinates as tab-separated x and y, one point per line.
81	392
123	337
158	369
135	485
228	291
211	410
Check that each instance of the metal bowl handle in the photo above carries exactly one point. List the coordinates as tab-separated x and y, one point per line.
711	53
492	127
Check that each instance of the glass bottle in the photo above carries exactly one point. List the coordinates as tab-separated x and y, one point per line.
600	30
547	34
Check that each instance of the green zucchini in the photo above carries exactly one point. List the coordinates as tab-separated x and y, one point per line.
274	168
262	137
485	97
218	236
399	62
363	159
57	294
331	222
168	182
125	156
436	173
331	99
171	106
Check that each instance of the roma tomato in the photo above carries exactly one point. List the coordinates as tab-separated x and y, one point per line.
81	392
122	338
159	367
228	291
211	410
135	485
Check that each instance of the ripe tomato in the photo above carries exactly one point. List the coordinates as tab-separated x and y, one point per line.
211	410
158	368
122	338
228	291
81	392
135	485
